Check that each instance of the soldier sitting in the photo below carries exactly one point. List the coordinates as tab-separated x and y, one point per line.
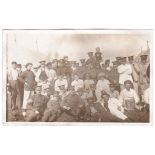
53	109
113	92
72	106
36	106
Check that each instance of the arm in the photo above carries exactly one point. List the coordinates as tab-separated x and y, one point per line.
56	86
136	98
22	77
120	70
121	98
37	75
129	70
66	84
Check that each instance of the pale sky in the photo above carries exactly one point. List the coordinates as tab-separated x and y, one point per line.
33	45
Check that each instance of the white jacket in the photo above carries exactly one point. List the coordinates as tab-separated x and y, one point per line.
125	73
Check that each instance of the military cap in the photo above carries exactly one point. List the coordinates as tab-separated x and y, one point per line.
28	64
127	82
123	58
19	66
49	63
42	62
115	62
61	60
82	60
65	57
90	53
118	58
14	62
130	57
55	60
144	57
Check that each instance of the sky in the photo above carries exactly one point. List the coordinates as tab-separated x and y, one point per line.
33	45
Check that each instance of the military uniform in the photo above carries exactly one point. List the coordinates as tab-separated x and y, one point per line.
98	54
36	108
71	105
114	76
52	112
141	69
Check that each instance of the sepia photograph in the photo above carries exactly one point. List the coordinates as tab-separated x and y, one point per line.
74	76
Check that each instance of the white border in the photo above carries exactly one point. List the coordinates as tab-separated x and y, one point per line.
77	31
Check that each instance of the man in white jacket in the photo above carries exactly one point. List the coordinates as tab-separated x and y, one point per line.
125	72
113	105
77	83
102	85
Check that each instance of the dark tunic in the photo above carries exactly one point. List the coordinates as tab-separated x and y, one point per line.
29	78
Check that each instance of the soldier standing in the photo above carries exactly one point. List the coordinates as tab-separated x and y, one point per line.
14	85
28	78
98	54
134	73
141	69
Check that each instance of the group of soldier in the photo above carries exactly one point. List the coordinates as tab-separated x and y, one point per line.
92	91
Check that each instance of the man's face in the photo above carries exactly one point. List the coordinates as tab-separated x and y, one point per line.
14	66
143	60
114	66
66	58
29	67
128	86
93	87
42	65
102	77
123	62
97	49
90	55
130	61
38	91
87	77
112	88
19	69
76	77
60	77
106	98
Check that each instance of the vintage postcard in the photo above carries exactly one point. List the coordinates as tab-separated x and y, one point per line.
75	76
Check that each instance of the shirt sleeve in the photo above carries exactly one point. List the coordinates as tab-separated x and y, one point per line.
135	96
146	96
129	70
66	84
22	77
56	86
120	70
121	98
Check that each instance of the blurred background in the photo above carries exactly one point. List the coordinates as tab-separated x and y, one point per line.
34	45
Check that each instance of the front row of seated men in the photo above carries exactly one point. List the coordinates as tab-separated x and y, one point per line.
81	105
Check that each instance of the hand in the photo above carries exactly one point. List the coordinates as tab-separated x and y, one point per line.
67	108
37	112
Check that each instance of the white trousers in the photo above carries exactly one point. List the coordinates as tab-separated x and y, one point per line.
27	95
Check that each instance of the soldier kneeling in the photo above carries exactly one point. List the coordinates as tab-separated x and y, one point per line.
35	106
